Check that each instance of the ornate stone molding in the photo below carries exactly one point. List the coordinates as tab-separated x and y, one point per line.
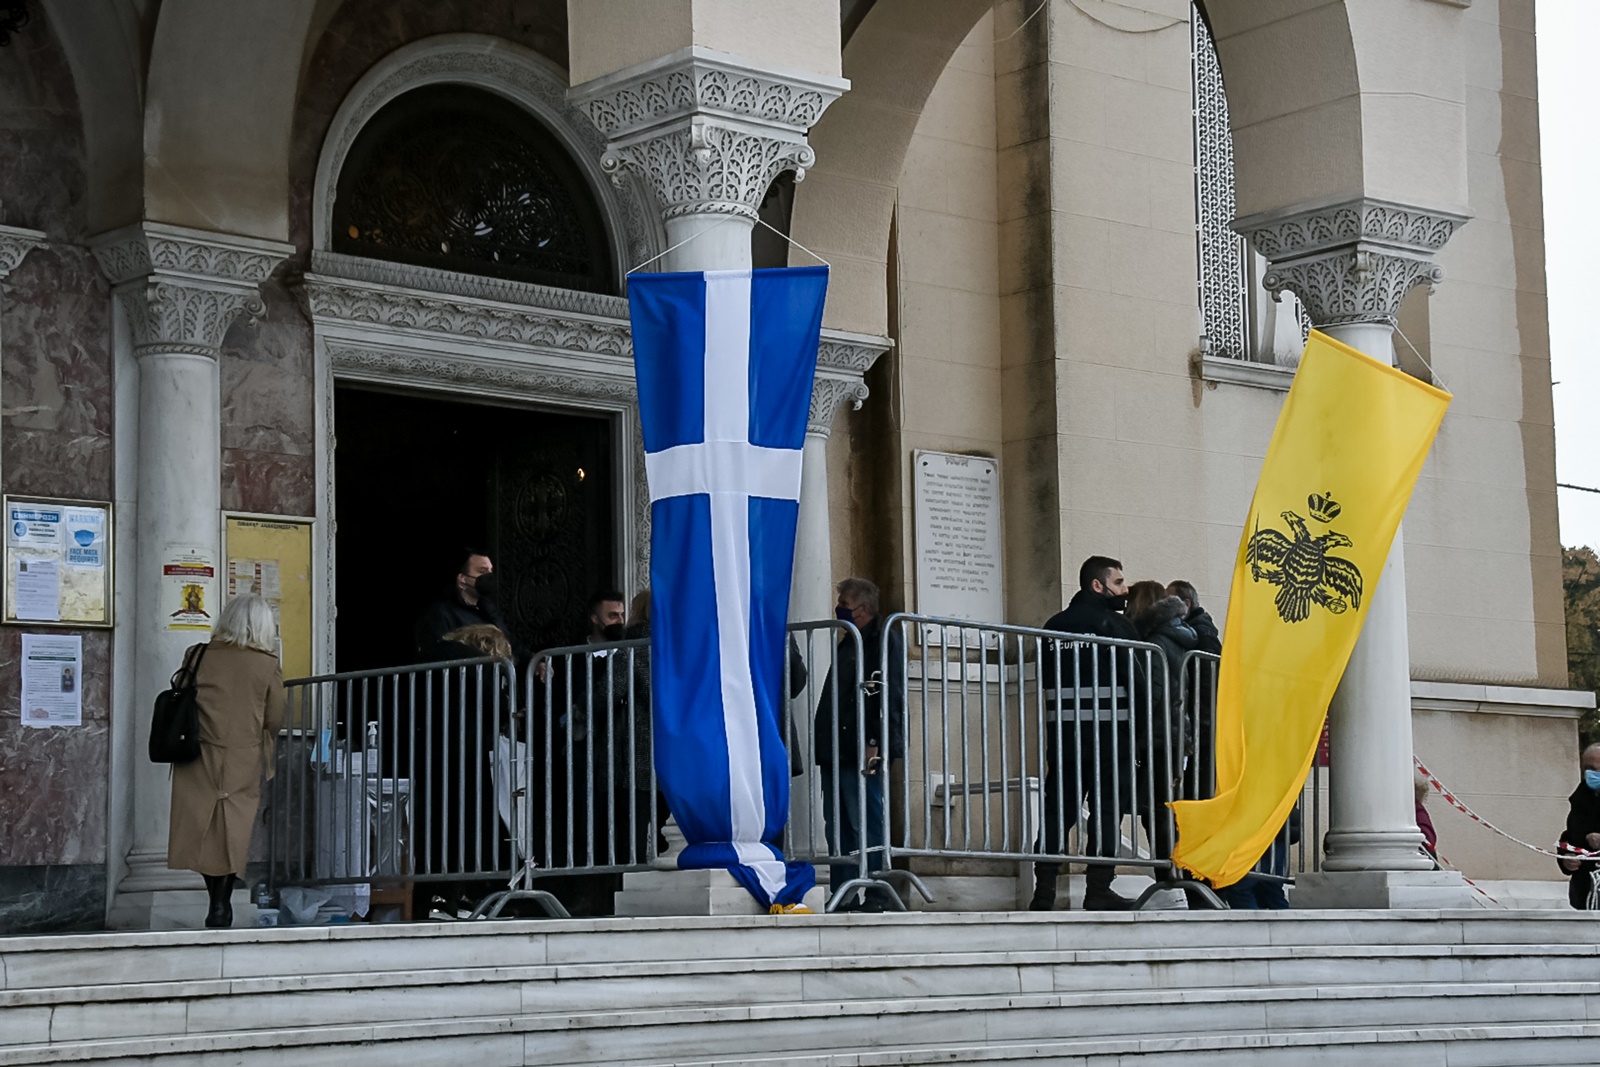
509	70
1353	261
16	243
842	360
336	266
709	132
183	288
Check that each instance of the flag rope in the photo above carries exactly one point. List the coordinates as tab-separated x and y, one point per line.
1565	851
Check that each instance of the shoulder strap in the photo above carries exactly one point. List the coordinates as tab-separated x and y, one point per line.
187	674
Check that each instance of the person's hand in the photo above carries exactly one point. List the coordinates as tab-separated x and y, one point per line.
873	761
1570	866
541	670
1593	841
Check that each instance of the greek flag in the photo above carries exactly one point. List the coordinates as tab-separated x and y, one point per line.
725	362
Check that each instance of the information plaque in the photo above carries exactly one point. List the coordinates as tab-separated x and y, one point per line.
956	500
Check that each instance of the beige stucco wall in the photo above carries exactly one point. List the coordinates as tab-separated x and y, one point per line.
946	395
611	35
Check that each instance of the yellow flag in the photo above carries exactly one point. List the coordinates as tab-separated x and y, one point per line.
1349	444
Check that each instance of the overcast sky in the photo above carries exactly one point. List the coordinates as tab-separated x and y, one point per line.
1569	126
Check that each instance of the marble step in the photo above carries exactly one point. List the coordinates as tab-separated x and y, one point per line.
749	1032
113	959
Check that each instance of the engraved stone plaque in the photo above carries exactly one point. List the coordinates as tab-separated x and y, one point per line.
956	500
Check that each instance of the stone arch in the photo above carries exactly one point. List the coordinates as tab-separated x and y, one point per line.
218	120
518	74
1336	101
843	208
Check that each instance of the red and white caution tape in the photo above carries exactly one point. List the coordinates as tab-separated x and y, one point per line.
1563	851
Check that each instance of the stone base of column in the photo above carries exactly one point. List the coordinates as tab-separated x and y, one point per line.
694	893
175	909
1383	890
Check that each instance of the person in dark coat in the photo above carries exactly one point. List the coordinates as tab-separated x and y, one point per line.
1583	834
471	600
1161	621
1086	743
1196	617
1200	709
851	762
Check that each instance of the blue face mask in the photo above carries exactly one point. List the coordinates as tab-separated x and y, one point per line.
844	614
1592	780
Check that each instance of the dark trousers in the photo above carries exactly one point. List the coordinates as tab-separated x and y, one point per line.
850	827
1087	761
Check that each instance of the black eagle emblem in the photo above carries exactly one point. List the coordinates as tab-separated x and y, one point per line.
1301	567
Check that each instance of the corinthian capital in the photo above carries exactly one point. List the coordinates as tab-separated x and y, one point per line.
16	243
1353	261
843	360
707	131
183	288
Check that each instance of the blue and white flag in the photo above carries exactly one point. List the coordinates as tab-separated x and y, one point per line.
725	362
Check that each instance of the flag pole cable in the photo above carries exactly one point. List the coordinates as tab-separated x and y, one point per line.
1420	356
708	229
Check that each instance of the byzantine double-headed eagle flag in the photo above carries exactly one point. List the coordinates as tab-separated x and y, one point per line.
725	362
1349	444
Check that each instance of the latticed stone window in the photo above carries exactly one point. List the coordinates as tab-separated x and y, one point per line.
461	179
1241	319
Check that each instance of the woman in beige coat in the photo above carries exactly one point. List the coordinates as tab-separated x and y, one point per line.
239	689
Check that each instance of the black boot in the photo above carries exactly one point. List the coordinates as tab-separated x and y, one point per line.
1097	892
219	887
1044	887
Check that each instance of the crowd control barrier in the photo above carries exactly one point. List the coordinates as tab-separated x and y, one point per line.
388	776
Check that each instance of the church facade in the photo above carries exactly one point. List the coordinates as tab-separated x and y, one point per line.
308	295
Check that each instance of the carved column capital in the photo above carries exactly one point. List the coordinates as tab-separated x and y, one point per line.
183	288
15	243
707	131
843	359
1353	261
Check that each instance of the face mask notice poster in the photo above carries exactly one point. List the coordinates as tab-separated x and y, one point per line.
58	562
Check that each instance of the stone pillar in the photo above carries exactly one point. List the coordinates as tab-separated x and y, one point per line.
181	289
16	243
1351	264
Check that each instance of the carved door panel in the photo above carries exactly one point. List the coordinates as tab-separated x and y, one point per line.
551	528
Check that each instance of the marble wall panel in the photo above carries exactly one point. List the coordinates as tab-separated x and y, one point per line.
55	439
53	779
268	421
52	899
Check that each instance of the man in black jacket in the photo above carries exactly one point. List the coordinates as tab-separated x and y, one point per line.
1583	834
1087	742
472	600
852	762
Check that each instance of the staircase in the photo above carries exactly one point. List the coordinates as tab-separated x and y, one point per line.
1445	988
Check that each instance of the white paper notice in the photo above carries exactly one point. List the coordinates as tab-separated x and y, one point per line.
957	502
38	589
270	587
86	539
241	577
33	527
52	680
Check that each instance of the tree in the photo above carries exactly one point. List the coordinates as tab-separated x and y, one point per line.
1580	582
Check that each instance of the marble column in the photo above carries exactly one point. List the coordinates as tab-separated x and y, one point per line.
16	243
180	290
1351	265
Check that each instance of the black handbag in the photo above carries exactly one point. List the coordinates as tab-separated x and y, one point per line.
175	727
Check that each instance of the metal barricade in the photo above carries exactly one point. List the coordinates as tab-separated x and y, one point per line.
1297	847
833	819
388	776
1028	744
586	769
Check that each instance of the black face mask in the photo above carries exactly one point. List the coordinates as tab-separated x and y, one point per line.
615	632
486	586
1118	603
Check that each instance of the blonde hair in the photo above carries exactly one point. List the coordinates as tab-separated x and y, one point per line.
639	610
247	622
1421	786
484	638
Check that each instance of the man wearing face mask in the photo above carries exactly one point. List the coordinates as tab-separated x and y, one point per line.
1583	834
848	758
473	600
1082	732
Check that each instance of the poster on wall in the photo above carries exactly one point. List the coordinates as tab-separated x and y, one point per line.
189	588
58	562
956	500
52	680
271	558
